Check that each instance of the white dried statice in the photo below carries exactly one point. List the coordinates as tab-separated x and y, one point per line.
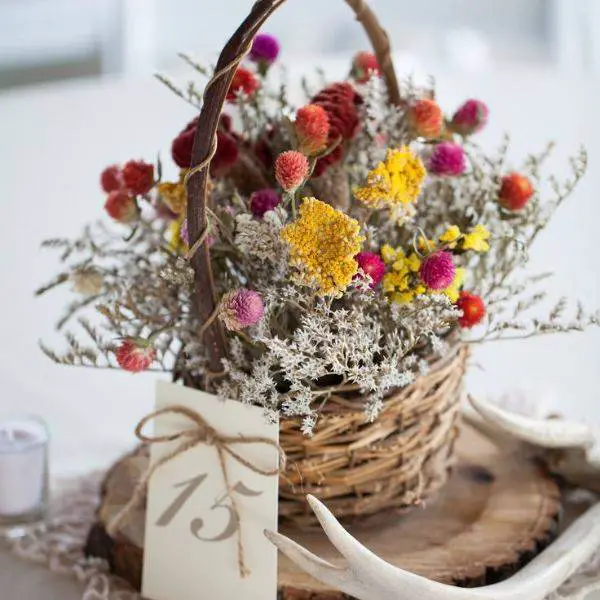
260	239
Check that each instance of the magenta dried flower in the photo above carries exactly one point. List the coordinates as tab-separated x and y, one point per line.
438	270
372	265
241	308
265	50
470	118
263	201
447	159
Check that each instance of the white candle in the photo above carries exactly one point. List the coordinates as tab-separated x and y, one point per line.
23	469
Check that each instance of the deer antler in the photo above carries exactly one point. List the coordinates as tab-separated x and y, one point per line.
368	577
569	449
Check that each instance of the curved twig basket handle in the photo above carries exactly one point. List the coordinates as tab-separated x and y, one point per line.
205	145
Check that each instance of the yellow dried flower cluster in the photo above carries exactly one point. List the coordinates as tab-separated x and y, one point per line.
173	194
174	236
396	181
402	283
476	239
323	243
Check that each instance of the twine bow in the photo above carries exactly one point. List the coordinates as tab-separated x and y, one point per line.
201	433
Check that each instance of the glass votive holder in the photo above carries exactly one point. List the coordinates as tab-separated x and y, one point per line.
24	444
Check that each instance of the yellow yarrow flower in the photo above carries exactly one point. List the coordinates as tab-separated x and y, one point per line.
323	243
395	181
477	239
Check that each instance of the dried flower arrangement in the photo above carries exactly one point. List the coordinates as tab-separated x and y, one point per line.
344	246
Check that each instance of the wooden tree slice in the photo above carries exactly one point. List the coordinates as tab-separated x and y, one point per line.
498	511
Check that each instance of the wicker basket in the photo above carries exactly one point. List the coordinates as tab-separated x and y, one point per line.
362	468
359	468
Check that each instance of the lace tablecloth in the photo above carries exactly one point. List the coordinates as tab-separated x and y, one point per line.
58	547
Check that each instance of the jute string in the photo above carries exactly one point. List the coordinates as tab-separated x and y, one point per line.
233	64
200	433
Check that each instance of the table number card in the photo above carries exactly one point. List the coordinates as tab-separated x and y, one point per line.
192	537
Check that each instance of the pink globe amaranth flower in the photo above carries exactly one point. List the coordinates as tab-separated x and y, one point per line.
135	355
265	49
291	169
438	270
263	201
241	308
470	118
447	160
372	265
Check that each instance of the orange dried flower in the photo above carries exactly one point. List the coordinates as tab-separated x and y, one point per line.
426	118
312	128
291	169
515	191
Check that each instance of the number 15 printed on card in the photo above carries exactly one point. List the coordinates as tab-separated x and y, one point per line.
192	527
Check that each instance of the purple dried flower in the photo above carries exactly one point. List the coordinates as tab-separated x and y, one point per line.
184	234
263	201
265	49
241	308
447	159
470	118
437	271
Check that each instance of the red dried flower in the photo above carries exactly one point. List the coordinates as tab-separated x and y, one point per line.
262	201
135	355
291	169
138	177
183	144
244	81
226	155
181	148
473	309
364	66
426	118
515	191
372	265
121	206
341	102
111	179
312	128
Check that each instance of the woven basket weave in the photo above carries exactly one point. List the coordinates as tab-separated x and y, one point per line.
362	468
359	468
